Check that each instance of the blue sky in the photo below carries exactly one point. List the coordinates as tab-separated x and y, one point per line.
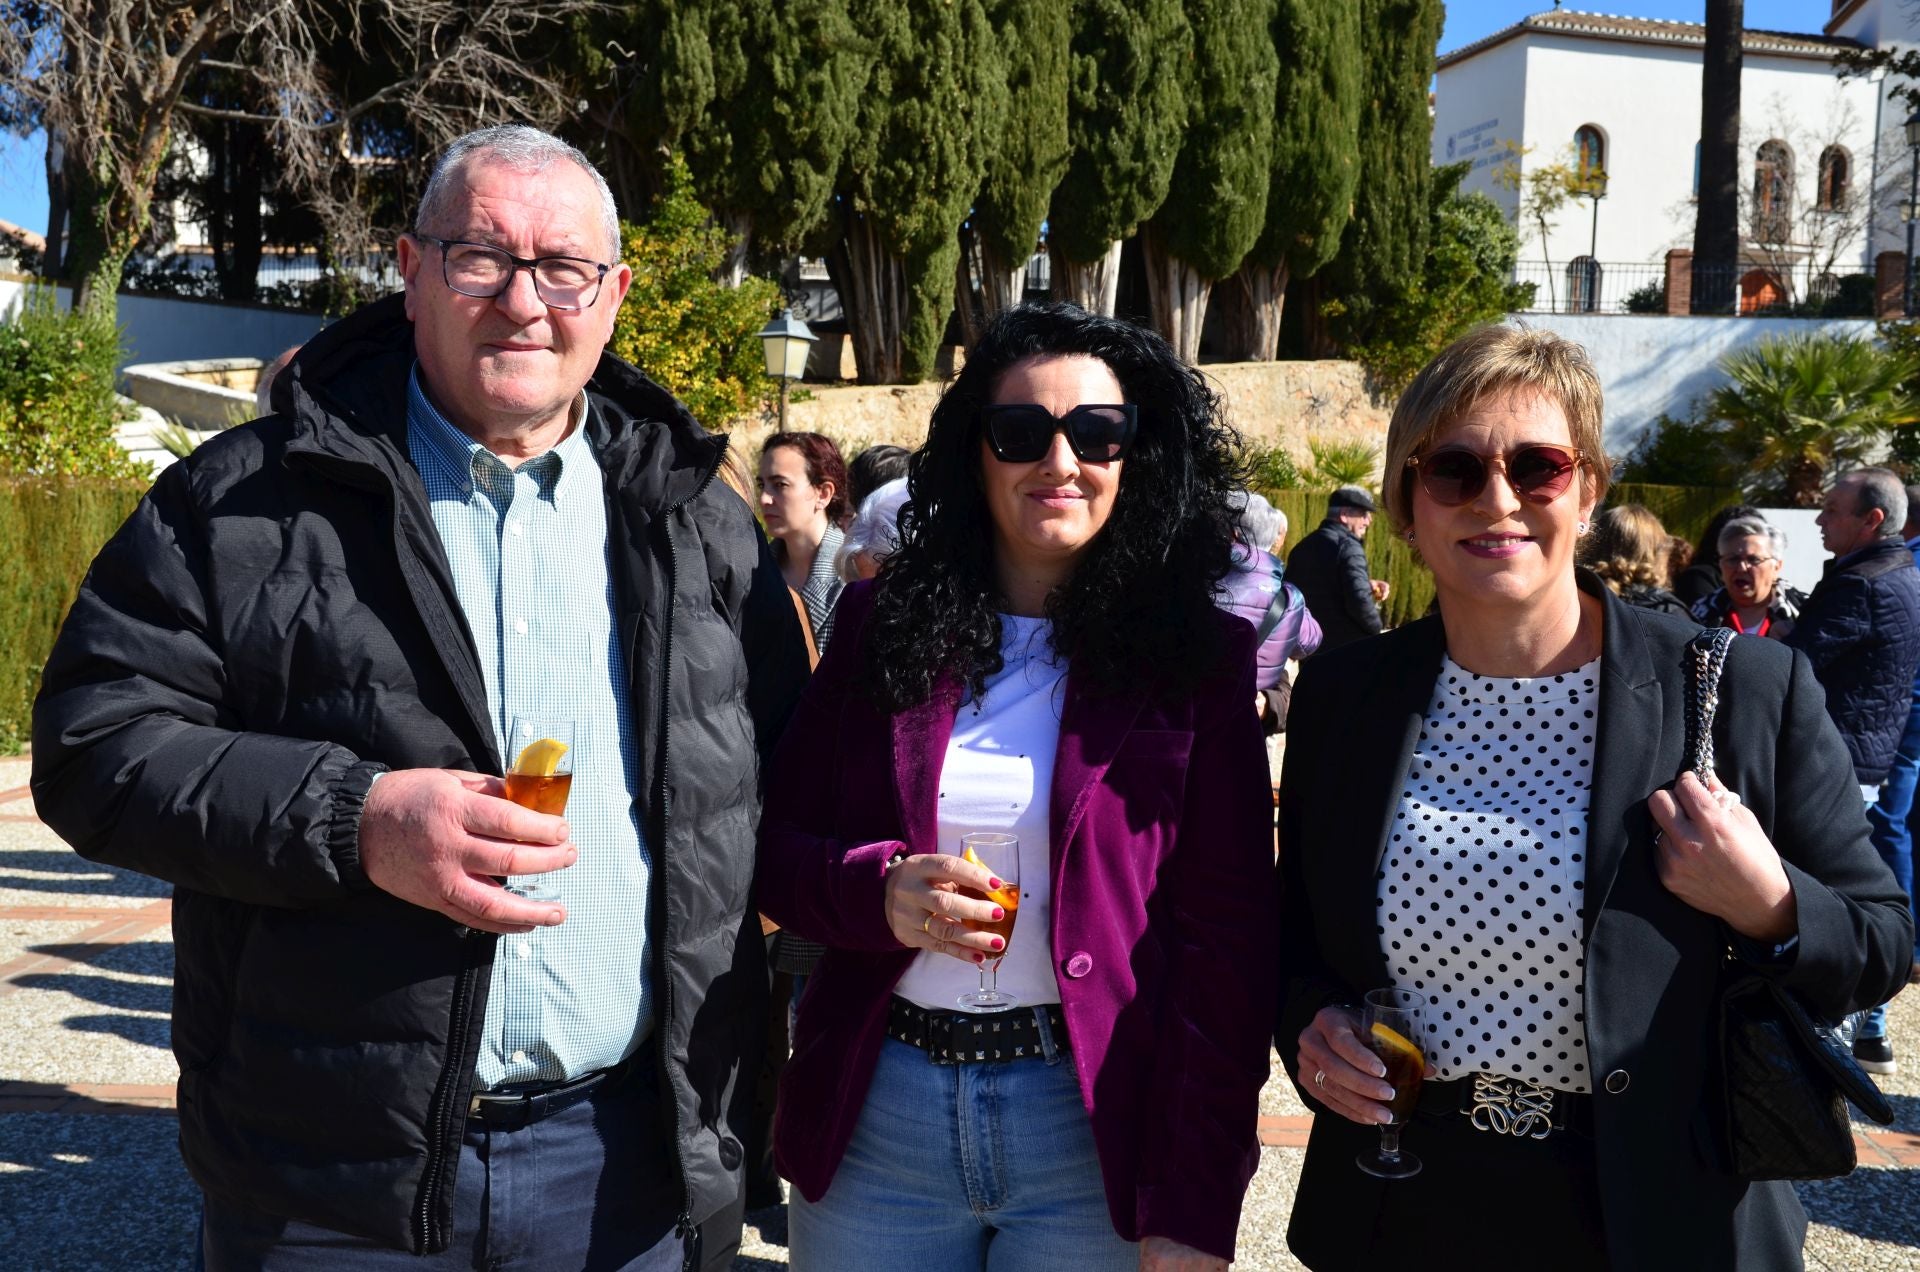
23	185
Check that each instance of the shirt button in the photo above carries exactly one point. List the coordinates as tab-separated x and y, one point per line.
1617	1081
523	949
518	1057
513	527
520	626
1080	964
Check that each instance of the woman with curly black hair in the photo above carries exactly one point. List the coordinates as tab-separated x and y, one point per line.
1042	658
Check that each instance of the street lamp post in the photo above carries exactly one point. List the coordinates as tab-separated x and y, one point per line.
1596	190
1911	207
785	341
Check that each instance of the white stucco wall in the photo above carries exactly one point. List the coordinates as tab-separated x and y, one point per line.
1478	113
1654	365
168	329
1645	100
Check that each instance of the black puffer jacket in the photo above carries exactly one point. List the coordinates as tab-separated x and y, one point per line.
1861	630
1329	567
277	623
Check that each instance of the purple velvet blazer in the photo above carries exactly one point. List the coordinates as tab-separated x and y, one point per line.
1163	931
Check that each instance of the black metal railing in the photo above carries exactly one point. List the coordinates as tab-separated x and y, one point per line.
1586	286
289	280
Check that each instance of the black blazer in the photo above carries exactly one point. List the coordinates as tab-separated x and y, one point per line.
1652	961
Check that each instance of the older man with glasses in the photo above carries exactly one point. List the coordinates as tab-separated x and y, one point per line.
287	688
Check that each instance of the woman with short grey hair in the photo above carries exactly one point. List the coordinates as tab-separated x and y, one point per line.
1752	598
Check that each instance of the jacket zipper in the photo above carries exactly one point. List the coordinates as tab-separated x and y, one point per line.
683	1226
440	1115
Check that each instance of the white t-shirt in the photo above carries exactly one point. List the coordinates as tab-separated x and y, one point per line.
998	776
1482	887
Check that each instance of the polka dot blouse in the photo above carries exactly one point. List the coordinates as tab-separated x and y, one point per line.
1481	888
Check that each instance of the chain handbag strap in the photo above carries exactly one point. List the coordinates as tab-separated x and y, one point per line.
1707	655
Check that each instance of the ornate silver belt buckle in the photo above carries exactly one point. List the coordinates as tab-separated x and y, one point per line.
1511	1106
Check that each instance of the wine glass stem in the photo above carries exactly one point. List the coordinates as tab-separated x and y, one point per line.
1390	1141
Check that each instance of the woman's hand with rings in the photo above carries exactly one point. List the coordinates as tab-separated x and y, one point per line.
1711	853
1164	1254
1345	1074
925	910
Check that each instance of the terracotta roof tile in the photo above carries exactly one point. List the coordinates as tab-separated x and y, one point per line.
1607	26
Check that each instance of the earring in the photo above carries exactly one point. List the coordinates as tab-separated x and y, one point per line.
1583	527
1409	536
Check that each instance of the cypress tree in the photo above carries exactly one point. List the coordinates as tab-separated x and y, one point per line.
1222	171
1027	155
1127	115
654	59
1310	195
910	176
1385	245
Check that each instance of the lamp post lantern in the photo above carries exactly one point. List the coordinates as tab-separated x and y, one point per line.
785	341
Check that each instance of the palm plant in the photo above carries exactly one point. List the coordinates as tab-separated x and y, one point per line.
1802	408
1343	463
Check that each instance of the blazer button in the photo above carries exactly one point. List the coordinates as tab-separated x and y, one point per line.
1617	1081
1080	964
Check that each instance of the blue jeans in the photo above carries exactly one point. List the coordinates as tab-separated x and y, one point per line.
960	1168
591	1187
1891	819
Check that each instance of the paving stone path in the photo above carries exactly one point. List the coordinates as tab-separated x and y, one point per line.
90	1176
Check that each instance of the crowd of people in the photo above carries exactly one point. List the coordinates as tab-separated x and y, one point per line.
833	727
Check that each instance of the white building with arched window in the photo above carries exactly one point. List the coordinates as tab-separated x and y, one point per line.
1615	102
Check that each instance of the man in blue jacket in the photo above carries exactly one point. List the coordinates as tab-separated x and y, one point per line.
1861	630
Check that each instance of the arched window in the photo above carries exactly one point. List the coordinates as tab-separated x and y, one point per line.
1836	171
1583	285
1773	192
1590	152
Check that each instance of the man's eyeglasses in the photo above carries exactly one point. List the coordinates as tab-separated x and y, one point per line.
1744	562
1454	475
1022	432
483	272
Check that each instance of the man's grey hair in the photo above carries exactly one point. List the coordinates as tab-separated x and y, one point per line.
1880	488
521	148
1753	527
1259	522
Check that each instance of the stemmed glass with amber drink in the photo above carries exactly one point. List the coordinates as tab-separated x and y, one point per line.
539	777
1389	1024
1000	854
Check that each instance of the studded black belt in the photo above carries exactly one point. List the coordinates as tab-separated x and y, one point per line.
962	1037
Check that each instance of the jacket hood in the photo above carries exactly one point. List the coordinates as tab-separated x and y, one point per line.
346	395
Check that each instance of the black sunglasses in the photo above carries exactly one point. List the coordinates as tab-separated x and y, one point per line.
1021	432
1454	475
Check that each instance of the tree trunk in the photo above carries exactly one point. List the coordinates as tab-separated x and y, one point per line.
1251	303
1179	296
972	317
1806	482
739	226
872	284
1003	283
1316	334
1092	285
235	165
1716	225
58	201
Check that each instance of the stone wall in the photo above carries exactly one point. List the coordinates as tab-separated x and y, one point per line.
1271	403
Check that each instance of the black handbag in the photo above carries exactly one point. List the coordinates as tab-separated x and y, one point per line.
1786	1078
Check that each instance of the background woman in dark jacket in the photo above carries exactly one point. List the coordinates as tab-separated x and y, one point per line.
1628	550
1505	843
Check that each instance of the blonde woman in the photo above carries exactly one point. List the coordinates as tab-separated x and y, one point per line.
1629	549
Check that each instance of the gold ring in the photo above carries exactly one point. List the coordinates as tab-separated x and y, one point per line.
1320	1077
926	928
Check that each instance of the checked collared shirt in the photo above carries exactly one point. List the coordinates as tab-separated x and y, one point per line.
528	548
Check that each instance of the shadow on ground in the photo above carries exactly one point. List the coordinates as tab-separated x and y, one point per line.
1877	1204
82	1192
70	874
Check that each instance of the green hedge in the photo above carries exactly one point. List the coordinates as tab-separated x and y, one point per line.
1683	510
50	530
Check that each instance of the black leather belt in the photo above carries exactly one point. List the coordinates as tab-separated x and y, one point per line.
964	1037
513	1107
1508	1106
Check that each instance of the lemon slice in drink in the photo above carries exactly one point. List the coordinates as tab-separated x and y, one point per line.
1002	896
540	758
1394	1040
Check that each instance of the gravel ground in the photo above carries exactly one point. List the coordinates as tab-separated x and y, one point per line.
104	1021
94	1192
22	936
